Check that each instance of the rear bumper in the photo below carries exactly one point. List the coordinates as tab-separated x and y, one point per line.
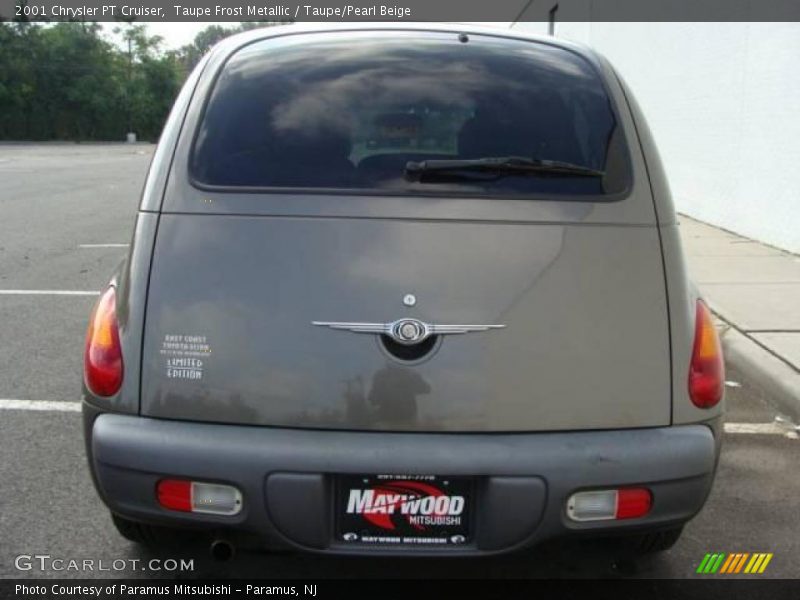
286	476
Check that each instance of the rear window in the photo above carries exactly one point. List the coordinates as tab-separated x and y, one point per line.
350	111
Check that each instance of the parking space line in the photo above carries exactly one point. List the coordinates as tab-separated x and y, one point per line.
48	405
773	428
47	293
102	245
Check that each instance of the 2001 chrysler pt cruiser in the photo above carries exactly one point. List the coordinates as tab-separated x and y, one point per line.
411	289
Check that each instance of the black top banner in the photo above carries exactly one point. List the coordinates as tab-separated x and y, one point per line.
400	10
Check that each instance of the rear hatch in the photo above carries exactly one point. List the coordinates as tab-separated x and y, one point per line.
292	207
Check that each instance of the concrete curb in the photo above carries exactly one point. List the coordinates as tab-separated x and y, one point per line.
766	369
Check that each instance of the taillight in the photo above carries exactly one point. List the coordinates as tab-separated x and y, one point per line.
102	359
633	503
613	504
199	497
175	494
706	371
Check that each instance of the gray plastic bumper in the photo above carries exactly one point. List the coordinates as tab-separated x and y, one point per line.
286	476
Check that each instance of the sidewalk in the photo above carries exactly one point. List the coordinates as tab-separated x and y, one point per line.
755	290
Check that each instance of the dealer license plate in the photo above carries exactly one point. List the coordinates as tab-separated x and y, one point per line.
419	510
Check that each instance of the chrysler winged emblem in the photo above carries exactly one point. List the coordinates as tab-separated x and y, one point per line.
406	331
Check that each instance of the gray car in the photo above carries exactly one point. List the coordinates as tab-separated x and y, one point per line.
409	289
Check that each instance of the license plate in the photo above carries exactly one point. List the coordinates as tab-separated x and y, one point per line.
418	510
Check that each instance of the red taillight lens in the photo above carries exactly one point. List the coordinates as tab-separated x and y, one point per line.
199	497
633	503
706	371
175	494
102	359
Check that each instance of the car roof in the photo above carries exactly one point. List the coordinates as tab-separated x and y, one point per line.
231	44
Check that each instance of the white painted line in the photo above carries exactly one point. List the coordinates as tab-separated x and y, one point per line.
102	245
774	428
767	428
47	293
49	405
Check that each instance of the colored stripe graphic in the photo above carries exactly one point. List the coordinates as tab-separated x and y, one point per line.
703	563
764	564
741	562
711	562
735	563
754	561
718	562
727	565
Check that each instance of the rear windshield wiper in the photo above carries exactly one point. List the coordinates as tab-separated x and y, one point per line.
498	166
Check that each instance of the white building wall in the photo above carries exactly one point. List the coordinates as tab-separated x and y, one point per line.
723	101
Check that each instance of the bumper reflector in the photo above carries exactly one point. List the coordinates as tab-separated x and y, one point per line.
633	503
199	497
603	505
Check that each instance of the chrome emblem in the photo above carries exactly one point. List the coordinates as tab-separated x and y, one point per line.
406	331
409	299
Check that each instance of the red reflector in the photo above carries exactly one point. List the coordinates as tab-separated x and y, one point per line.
706	371
633	502
175	494
102	358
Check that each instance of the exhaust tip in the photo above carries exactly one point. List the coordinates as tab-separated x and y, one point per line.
222	550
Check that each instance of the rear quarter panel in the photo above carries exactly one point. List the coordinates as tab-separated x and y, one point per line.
682	295
131	278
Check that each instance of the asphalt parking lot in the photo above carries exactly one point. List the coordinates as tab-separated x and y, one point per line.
66	212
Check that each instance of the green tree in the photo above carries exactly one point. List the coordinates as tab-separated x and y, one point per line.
77	90
150	82
203	41
211	35
65	81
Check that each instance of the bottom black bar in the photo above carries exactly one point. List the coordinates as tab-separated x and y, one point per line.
381	589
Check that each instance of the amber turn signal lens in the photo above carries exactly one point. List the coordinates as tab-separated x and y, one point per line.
706	371
102	359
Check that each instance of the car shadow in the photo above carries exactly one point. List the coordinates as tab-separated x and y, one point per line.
562	559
